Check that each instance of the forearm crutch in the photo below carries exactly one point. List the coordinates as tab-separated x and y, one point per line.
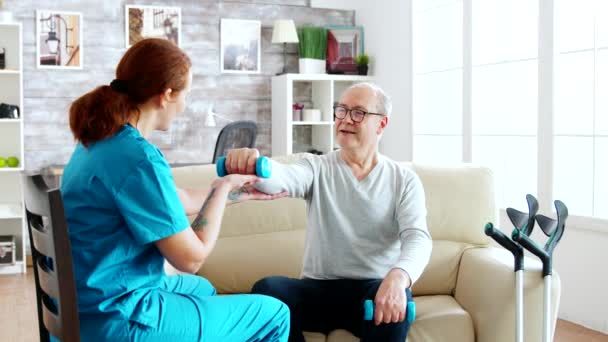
524	221
554	229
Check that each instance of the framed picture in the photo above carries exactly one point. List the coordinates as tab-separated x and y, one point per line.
240	46
59	40
344	43
152	22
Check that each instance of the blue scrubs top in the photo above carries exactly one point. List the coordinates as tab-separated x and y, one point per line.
120	198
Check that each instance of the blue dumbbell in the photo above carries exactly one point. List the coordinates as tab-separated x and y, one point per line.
263	167
368	308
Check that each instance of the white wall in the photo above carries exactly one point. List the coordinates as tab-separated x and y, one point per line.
581	262
387	33
581	256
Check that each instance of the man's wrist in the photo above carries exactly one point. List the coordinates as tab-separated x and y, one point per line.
402	276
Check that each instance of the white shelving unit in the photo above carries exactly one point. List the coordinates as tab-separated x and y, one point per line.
325	91
12	209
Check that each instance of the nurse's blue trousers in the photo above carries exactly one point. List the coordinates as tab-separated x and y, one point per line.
191	311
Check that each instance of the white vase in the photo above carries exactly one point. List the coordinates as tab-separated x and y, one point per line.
312	66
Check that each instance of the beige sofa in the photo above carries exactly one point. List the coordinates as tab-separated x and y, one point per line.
465	294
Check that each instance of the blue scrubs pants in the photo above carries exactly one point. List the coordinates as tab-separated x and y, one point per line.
189	310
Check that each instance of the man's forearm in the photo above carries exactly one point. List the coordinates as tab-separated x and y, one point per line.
416	247
294	178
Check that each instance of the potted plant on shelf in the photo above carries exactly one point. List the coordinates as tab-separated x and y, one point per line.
362	64
312	48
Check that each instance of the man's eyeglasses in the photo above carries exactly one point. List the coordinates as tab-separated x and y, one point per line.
357	115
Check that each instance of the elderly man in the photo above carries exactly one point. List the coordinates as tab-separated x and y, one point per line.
367	236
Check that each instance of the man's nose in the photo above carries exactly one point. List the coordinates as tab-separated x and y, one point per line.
348	118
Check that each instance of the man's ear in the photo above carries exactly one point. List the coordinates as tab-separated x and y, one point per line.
165	97
383	124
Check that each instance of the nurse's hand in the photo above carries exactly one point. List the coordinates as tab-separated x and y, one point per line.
242	189
242	161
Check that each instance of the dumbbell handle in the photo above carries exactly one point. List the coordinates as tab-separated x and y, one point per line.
368	308
263	167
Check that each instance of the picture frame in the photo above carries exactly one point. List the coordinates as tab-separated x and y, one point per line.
59	40
344	43
240	51
143	21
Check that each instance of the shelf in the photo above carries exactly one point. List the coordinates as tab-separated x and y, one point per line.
312	123
9	120
9	72
10	24
11	169
18	267
327	77
11	211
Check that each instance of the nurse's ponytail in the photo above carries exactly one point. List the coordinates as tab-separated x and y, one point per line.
146	70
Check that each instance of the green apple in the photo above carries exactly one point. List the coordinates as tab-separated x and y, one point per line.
13	161
2	162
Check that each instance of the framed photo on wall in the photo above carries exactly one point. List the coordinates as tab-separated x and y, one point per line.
240	46
152	22
59	40
344	43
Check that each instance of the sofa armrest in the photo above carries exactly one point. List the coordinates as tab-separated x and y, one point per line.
486	290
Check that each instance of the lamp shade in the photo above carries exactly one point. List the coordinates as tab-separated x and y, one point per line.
284	31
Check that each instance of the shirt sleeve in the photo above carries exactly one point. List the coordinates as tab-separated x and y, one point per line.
416	243
295	178
148	201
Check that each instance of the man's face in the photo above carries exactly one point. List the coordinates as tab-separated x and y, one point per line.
364	134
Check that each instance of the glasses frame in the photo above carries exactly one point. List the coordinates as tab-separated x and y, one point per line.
350	112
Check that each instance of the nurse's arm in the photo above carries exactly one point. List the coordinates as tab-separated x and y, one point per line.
193	199
188	249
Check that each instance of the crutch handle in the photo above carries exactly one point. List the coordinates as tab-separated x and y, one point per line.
529	244
503	240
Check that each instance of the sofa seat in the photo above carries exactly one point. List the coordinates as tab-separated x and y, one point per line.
438	318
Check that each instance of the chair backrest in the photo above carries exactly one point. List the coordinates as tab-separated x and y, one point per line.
235	135
52	258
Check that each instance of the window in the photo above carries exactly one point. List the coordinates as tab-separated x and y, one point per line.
438	80
504	96
581	85
480	96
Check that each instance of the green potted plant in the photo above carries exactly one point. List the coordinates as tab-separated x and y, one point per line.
312	48
362	62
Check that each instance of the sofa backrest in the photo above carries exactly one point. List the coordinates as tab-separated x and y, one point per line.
259	239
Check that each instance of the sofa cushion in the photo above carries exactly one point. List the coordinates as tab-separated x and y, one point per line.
237	262
459	200
438	319
260	217
439	276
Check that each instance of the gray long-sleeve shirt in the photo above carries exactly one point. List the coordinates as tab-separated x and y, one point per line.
357	229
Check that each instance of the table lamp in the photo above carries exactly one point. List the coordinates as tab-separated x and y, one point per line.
284	31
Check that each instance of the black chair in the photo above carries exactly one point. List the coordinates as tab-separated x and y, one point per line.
235	135
52	257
